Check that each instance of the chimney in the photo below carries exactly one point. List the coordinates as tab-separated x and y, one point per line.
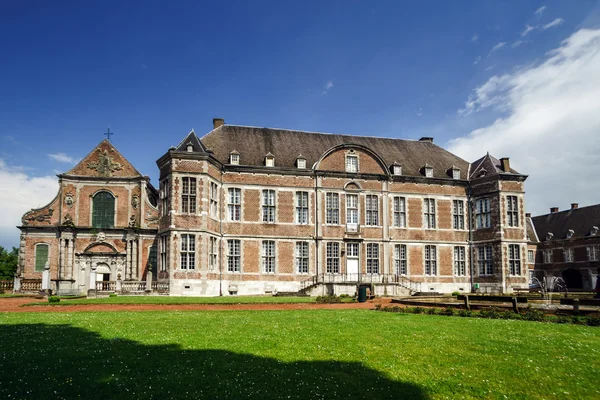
426	139
553	210
527	215
574	206
217	122
505	164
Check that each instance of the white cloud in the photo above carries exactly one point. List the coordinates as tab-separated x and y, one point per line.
328	86
498	47
516	44
540	10
556	22
550	125
474	38
62	157
528	28
477	60
19	193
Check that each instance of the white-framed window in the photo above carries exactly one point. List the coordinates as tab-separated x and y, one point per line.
234	207
397	170
352	209
512	210
372	258
163	252
372	210
592	253
164	197
188	195
302	257
268	205
429	213
400	212
268	256
429	172
458	214
270	161
302	207
352	163
484	260
213	253
234	159
483	213
456	173
400	262
530	256
214	200
42	251
352	250
430	260
188	251
547	256
514	259
333	258
234	256
301	163
459	261
568	255
332	208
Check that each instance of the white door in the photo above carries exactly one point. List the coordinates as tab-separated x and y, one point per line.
352	263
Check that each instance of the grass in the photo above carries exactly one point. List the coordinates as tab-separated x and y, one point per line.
319	354
180	300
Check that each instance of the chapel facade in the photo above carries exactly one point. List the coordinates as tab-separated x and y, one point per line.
248	210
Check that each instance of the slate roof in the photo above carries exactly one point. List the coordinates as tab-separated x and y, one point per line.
253	143
580	220
192	139
531	234
491	165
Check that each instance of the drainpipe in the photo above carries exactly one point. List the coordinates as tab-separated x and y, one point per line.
221	237
471	248
316	227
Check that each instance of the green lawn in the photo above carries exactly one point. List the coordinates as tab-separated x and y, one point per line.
182	300
318	354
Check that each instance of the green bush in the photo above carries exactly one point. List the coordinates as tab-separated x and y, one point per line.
465	313
578	320
53	299
112	295
345	296
449	311
328	299
532	314
455	293
418	310
431	311
563	319
593	321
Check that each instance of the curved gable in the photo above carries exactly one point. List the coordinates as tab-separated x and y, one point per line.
369	162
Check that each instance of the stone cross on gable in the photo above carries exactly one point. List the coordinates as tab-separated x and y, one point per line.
108	134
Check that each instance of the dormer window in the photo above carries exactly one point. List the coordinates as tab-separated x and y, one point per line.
234	158
549	236
352	162
300	162
428	169
397	169
455	173
270	160
594	231
570	233
190	147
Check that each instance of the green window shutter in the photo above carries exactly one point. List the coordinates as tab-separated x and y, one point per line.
103	211
41	256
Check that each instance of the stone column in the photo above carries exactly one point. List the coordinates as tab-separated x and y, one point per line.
92	288
149	279
17	283
119	288
128	261
70	259
46	278
62	264
134	266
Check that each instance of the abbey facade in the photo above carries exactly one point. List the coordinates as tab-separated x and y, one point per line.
247	210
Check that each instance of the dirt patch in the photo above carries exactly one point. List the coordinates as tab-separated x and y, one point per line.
15	305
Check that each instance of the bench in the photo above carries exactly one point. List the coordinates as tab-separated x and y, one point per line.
492	299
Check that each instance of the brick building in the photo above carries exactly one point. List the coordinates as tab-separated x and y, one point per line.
566	244
247	210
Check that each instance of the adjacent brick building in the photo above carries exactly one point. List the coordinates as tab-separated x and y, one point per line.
247	210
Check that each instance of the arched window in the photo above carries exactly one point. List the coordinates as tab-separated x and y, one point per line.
41	257
103	210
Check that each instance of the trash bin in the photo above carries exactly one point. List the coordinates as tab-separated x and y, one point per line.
362	294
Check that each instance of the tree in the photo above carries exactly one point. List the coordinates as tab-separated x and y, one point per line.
8	263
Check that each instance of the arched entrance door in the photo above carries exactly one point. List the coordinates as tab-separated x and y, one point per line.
102	272
573	278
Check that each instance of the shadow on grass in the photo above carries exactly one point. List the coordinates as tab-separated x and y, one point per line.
61	361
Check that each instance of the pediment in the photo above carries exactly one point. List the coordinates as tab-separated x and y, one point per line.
104	161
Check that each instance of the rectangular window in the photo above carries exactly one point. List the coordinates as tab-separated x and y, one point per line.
164	197
483	214
514	259
568	255
234	159
301	163
234	207
213	253
430	260
372	210
163	252
188	251
530	256
268	256
333	258
214	200
332	207
372	258
484	260
302	207
302	257
352	209
512	210
233	256
547	256
429	213
188	195
352	250
268	205
400	264
459	261
41	257
352	164
458	214
456	174
400	212
592	253
152	259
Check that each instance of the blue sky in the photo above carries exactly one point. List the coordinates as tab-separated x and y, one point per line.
151	71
